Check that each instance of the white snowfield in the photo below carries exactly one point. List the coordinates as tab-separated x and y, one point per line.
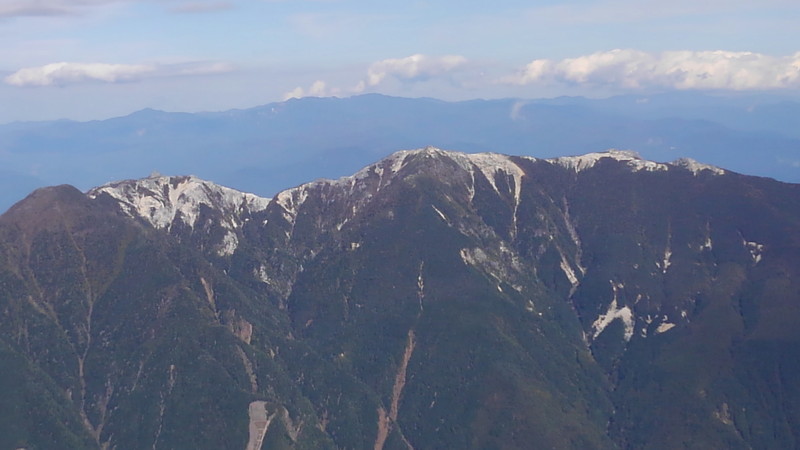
614	312
161	199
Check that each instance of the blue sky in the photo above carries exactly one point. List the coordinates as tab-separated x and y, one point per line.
92	59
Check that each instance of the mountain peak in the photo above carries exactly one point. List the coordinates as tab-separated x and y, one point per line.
587	161
633	160
44	206
371	179
161	200
697	167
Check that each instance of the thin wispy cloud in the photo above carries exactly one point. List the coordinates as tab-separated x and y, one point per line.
634	69
201	7
627	11
32	8
196	68
333	23
7	11
68	73
49	8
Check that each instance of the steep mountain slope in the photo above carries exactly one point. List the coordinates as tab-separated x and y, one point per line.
130	338
433	299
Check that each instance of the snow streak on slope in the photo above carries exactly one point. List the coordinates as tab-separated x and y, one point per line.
259	424
613	313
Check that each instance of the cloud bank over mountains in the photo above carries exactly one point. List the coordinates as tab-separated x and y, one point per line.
65	73
619	69
634	69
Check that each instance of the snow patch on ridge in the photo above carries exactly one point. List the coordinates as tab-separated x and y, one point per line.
160	200
589	160
373	178
664	327
697	167
229	244
291	200
756	250
366	182
633	160
491	164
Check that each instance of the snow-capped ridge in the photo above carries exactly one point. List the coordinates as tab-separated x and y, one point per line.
493	167
632	159
293	198
161	199
375	177
697	167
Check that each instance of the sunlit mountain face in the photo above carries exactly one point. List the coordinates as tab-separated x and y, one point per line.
434	299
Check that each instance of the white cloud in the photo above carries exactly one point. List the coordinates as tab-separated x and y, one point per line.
196	68
63	73
317	89
66	73
633	69
414	67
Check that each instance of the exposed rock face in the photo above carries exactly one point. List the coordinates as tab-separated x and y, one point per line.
433	299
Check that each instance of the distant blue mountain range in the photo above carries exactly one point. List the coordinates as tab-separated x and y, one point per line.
279	145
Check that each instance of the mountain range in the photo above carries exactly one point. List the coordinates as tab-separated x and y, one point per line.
434	299
267	148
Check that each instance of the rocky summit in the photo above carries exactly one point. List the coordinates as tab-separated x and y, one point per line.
434	299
